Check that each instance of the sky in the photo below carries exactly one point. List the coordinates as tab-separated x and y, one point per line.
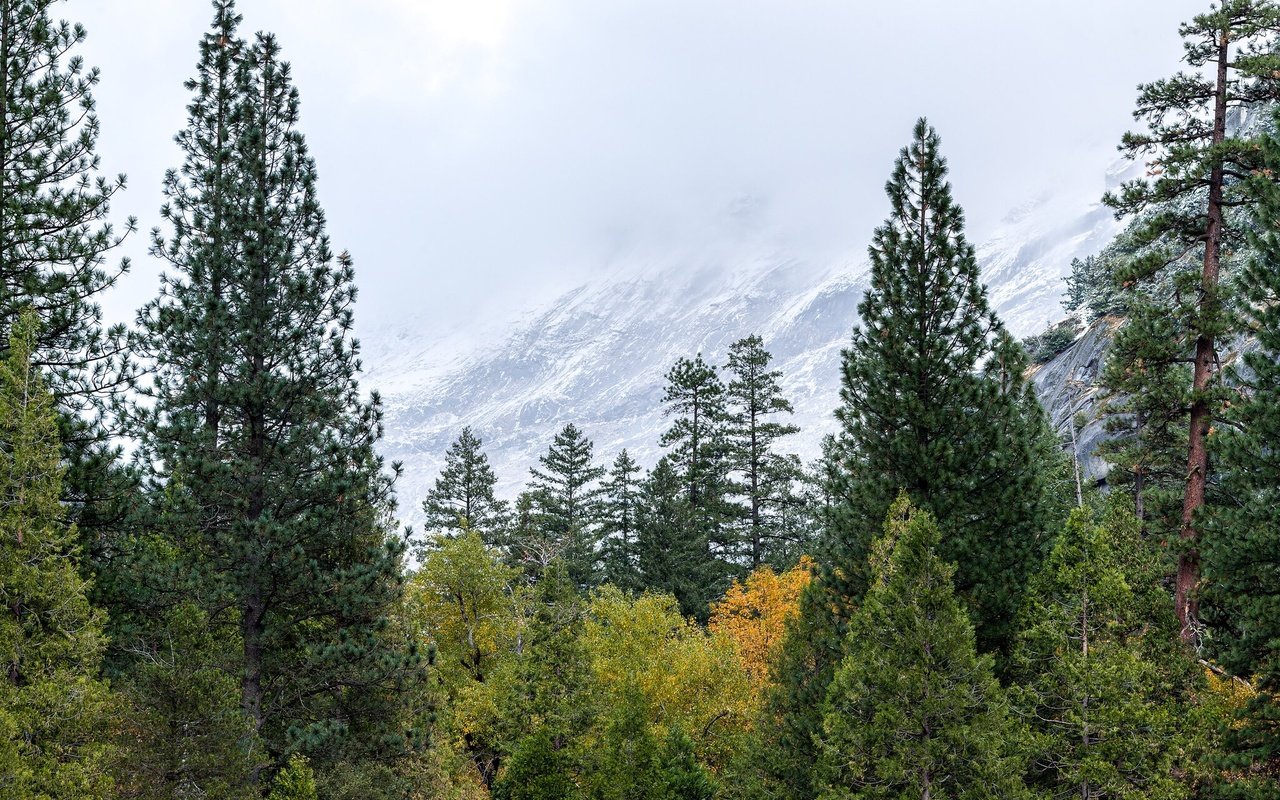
479	157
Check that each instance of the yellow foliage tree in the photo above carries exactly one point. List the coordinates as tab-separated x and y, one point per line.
690	680
753	615
468	604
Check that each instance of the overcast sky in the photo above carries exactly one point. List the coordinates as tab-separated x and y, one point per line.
476	156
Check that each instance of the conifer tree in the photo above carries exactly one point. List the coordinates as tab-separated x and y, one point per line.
1088	662
630	764
554	667
683	778
565	494
697	451
1196	167
754	398
619	522
1242	550
671	555
55	243
913	710
53	708
463	498
917	415
54	238
275	496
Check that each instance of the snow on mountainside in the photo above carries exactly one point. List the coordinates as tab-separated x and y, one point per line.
597	356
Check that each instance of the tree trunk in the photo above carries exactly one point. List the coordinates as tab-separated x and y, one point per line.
1197	453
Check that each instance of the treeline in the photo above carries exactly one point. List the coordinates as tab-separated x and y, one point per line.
937	609
721	502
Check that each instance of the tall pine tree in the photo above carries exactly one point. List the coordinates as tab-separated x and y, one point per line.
1196	165
919	414
697	452
1242	549
54	238
765	477
262	443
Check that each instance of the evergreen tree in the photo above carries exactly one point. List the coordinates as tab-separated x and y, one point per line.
754	398
913	710
565	497
1242	552
274	494
462	498
1089	673
537	770
918	416
682	776
554	667
619	522
55	243
698	454
671	555
1196	168
630	763
53	708
54	239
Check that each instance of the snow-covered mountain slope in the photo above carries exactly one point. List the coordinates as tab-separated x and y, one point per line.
598	355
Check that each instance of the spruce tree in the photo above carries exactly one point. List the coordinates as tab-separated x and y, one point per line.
913	710
1089	664
754	399
258	434
1196	165
1242	549
463	498
565	494
619	522
53	708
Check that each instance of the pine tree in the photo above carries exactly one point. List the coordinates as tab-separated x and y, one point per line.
1089	663
463	497
918	416
53	708
1196	168
1242	550
55	243
913	710
697	451
683	778
619	522
275	496
54	238
671	555
565	494
754	398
